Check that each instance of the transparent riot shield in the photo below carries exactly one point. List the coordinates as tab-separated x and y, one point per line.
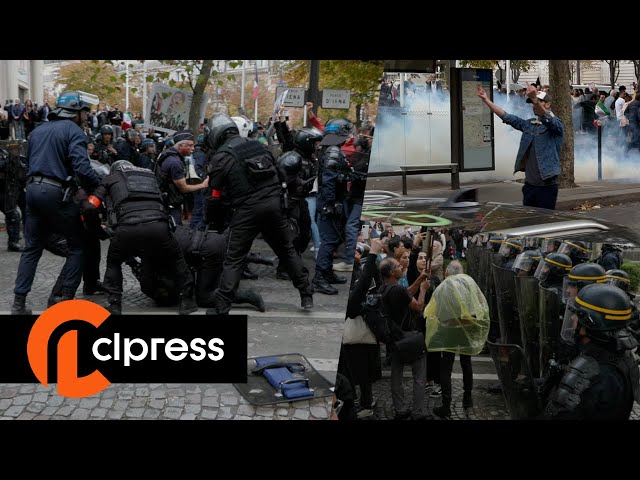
528	313
551	313
518	387
503	280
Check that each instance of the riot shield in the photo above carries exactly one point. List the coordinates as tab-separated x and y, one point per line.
503	280
528	309
473	261
551	311
518	388
486	285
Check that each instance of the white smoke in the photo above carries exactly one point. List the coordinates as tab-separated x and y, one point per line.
420	134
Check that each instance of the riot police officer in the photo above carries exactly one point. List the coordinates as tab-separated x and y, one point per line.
509	249
552	270
580	276
621	279
333	181
57	153
204	253
105	151
245	170
526	263
141	227
289	165
611	257
577	251
602	381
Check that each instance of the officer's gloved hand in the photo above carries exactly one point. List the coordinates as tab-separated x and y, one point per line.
104	232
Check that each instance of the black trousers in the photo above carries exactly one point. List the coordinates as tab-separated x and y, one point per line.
247	222
446	367
92	256
153	242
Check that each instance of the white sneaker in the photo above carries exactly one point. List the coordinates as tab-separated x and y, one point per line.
342	267
312	249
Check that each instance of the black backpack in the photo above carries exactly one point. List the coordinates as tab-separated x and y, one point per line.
376	316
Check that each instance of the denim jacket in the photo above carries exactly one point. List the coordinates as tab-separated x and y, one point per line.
548	137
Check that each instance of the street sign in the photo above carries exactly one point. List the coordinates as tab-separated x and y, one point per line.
294	98
336	99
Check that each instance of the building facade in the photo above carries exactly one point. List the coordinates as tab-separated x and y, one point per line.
21	79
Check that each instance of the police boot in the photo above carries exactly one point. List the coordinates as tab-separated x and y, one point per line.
56	292
247	274
321	285
187	305
251	297
56	297
281	273
15	247
222	307
467	400
444	410
12	221
115	305
332	278
306	299
19	307
92	288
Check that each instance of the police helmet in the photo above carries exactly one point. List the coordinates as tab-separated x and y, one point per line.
602	307
526	263
146	142
618	278
306	138
550	245
106	130
339	126
494	242
72	102
580	276
553	267
290	162
245	126
120	165
131	133
220	126
510	248
577	251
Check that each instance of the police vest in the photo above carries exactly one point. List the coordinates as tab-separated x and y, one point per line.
333	158
253	169
135	197
165	181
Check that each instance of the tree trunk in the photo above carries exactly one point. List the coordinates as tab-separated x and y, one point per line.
560	81
198	92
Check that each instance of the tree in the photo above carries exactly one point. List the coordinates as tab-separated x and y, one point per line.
636	69
559	78
92	76
361	77
614	71
518	67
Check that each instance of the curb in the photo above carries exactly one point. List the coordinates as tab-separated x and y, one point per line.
602	198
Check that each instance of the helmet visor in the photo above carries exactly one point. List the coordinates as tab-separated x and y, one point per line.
570	289
570	322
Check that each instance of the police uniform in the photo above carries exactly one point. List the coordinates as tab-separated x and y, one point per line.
602	381
245	170
169	167
57	150
141	226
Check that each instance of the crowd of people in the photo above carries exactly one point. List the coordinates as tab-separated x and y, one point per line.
535	304
183	211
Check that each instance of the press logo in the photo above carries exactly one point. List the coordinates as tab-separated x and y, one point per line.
121	349
69	384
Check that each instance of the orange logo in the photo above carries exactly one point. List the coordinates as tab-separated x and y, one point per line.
69	384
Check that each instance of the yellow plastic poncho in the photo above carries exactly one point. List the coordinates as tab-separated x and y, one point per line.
457	317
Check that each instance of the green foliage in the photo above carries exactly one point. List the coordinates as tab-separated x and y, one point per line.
633	269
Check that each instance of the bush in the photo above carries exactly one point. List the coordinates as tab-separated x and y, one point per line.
633	269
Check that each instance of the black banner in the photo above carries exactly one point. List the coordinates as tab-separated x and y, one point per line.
125	349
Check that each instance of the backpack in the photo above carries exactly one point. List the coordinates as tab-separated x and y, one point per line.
376	316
